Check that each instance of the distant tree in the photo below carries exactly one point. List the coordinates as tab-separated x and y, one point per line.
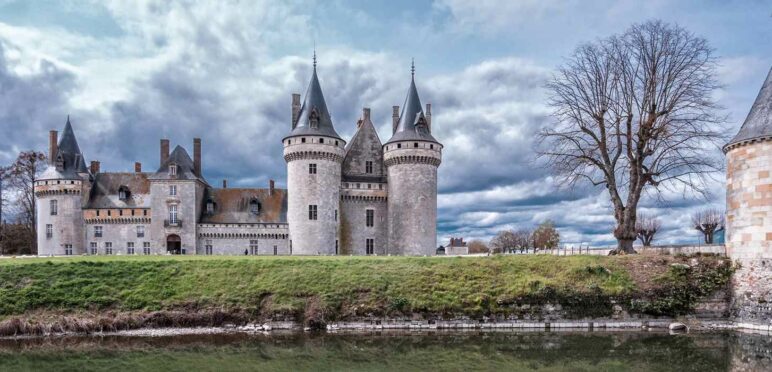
477	246
523	239
635	113
546	236
22	175
646	227
708	222
16	239
504	242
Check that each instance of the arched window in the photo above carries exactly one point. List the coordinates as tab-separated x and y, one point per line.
254	207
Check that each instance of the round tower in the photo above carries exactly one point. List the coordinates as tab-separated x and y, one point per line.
412	157
59	194
314	153
749	210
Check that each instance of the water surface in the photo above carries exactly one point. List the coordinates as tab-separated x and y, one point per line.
445	351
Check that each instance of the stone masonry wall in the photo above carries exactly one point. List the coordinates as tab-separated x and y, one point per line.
67	224
312	237
354	231
188	200
231	239
749	230
412	179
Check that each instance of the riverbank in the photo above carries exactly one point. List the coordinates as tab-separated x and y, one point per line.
98	294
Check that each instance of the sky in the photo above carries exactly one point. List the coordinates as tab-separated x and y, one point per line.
130	73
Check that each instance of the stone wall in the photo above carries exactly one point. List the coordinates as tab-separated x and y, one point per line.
233	239
412	179
312	237
354	231
749	229
189	199
67	224
119	234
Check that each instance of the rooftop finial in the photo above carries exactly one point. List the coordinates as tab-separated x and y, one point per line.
412	68
314	54
68	118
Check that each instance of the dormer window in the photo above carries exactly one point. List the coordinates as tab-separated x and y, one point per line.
172	169
59	163
254	207
313	118
123	193
210	207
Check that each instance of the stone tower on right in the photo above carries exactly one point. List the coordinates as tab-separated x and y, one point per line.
411	157
749	210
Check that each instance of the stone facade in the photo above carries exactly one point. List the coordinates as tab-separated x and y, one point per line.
337	199
749	211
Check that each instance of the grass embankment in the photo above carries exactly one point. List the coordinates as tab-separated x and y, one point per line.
315	290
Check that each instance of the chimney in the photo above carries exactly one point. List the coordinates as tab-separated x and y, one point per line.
197	156
224	183
394	118
270	187
137	167
429	116
94	167
164	151
53	145
295	108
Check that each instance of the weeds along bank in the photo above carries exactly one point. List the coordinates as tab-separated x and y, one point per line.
84	294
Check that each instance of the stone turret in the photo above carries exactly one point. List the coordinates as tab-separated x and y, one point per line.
60	192
313	151
749	210
411	158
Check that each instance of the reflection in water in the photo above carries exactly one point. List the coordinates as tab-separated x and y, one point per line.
563	351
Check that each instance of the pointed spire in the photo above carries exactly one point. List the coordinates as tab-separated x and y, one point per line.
313	117
412	124
69	151
758	124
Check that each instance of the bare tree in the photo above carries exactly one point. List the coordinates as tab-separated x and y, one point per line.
523	239
504	242
646	226
635	113
478	246
546	236
708	222
21	176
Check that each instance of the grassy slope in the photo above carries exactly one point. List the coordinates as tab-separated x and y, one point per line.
330	287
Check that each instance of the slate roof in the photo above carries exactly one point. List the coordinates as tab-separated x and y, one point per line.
105	191
313	104
408	127
70	155
364	145
185	169
758	124
233	206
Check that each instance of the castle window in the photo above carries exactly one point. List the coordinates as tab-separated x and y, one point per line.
399	145
368	167
68	249
173	214
431	146
54	205
369	186
173	169
109	213
369	246
312	168
93	248
97	231
108	248
146	248
49	231
97	213
336	246
321	140
313	118
275	250
359	185
123	193
336	143
140	231
415	144
173	190
253	247
120	212
370	218
129	247
208	247
144	213
336	215
209	207
380	186
254	207
303	140
132	212
312	212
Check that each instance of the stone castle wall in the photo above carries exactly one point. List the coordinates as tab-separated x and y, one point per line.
354	231
412	206
232	239
67	224
749	229
188	200
312	237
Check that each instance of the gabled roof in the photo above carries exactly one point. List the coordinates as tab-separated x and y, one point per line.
185	169
364	146
314	109
758	124
105	191
233	206
68	152
410	127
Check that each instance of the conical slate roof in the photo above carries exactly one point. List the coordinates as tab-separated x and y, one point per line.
68	162
185	168
410	127
758	124
314	118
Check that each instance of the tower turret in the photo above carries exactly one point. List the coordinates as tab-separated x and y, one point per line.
60	192
412	157
313	151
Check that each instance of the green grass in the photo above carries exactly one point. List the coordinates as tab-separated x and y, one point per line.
328	287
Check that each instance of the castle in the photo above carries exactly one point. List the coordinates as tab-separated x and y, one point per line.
361	197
